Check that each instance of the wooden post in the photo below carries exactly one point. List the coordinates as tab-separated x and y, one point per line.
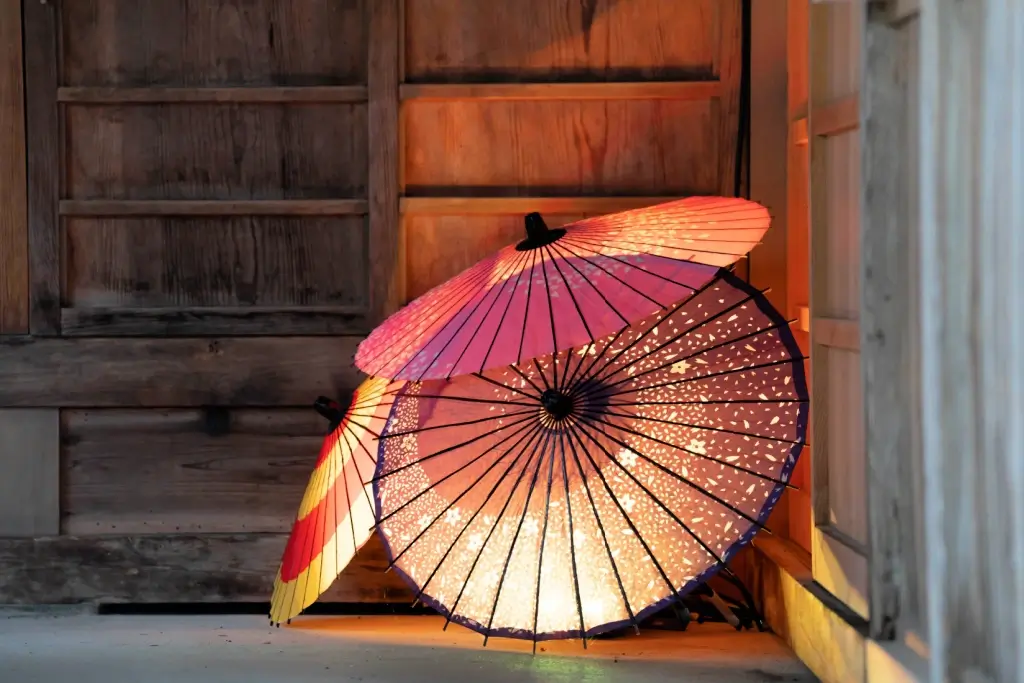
13	229
971	237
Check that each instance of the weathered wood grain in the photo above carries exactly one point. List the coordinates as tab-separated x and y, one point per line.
887	312
250	94
440	247
214	321
188	262
509	40
43	144
29	472
641	90
386	254
172	568
639	147
255	371
170	471
520	206
213	207
14	293
214	43
729	69
231	151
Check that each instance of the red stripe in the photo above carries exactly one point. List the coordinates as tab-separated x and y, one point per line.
309	535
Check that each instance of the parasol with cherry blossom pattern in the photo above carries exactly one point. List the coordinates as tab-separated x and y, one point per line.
581	491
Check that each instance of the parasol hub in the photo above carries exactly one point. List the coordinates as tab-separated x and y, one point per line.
557	404
538	234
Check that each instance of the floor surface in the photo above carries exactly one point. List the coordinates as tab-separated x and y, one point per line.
244	649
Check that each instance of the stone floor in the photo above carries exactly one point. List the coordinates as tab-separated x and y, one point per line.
243	649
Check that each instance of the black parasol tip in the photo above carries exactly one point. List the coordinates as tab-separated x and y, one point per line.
537	233
535	226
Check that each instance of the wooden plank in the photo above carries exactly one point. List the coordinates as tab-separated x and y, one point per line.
14	294
830	645
643	90
246	371
972	336
836	333
266	95
185	471
207	322
173	569
213	207
887	312
29	472
729	68
229	152
43	138
387	288
536	40
493	206
224	262
492	149
261	43
836	117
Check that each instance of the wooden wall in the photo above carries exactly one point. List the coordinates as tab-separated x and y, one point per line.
224	195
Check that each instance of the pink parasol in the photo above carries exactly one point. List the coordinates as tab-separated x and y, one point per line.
562	288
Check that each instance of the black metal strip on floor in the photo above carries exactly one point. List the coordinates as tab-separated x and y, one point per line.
260	608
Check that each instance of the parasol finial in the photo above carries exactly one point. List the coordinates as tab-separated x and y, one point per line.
536	228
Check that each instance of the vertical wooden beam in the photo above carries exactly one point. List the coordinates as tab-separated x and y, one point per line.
29	472
730	71
972	335
386	263
43	148
13	220
887	179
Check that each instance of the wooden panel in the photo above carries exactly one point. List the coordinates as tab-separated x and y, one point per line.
844	436
234	151
836	117
175	372
440	247
467	40
180	568
167	471
29	473
837	225
971	283
213	42
386	255
627	147
14	217
43	137
836	49
186	262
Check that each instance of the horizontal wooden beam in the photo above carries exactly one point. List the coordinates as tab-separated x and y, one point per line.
836	333
176	372
836	117
648	90
189	322
212	207
465	206
252	95
798	132
173	569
